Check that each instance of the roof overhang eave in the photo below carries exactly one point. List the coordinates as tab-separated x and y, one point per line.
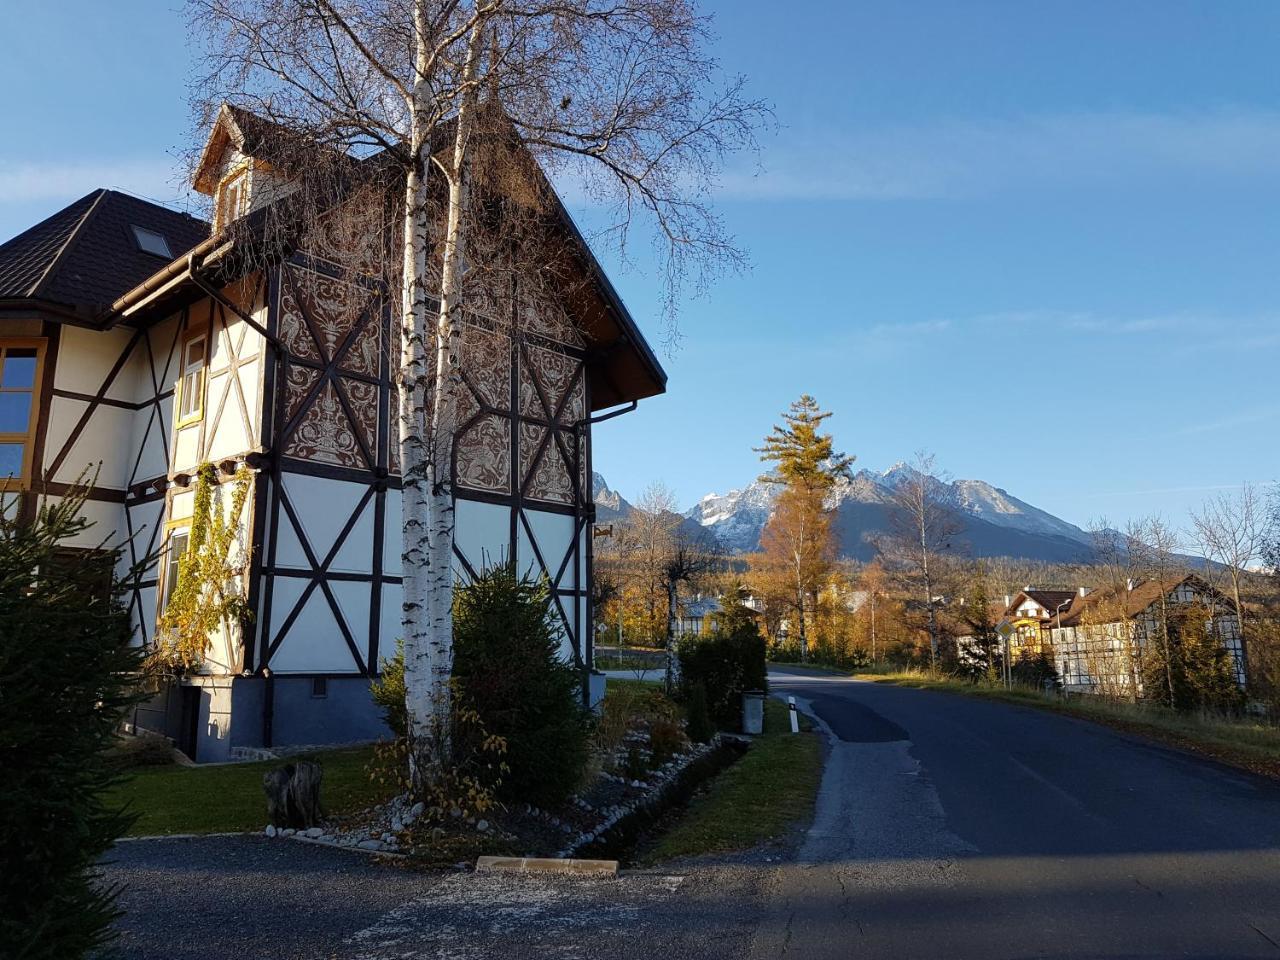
167	279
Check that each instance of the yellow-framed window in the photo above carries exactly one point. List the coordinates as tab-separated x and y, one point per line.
232	197
21	367
191	379
177	536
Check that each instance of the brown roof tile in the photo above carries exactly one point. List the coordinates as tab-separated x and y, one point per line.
86	255
1131	602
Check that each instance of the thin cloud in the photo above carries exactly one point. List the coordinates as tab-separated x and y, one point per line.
21	183
959	158
1165	490
1241	419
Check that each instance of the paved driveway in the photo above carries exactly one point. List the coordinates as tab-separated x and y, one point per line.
243	898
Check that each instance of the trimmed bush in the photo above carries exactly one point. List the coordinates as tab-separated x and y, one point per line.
1037	671
508	665
67	672
725	663
697	718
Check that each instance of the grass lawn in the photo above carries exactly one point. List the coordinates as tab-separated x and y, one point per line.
1250	745
617	686
227	798
756	799
627	663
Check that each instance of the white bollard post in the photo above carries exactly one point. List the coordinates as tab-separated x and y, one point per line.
795	717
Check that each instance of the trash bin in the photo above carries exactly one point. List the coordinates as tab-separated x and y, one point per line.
753	711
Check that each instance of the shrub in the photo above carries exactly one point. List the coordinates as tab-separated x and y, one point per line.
388	693
698	719
67	671
508	665
666	739
730	660
1036	670
1200	668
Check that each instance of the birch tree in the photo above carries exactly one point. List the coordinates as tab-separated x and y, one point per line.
925	528
1232	530
448	107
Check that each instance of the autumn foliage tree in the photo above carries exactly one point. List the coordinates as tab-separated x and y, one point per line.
797	540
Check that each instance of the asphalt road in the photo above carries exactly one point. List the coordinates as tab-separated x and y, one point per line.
956	827
946	827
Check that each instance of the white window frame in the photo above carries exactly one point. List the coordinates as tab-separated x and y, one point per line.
191	380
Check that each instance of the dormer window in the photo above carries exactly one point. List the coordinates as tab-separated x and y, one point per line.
233	197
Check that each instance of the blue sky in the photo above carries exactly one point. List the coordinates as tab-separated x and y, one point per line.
1039	240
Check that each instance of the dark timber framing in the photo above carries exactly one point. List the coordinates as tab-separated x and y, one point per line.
568	573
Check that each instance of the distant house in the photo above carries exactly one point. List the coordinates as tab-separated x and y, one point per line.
696	615
1098	641
1031	612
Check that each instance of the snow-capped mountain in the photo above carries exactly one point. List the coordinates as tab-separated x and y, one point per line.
995	522
737	517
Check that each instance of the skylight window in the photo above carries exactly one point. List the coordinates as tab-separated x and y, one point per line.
151	242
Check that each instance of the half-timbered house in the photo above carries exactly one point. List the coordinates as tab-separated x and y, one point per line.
1100	639
136	343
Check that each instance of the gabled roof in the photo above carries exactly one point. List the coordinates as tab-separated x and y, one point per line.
1049	599
247	132
1132	602
623	367
86	255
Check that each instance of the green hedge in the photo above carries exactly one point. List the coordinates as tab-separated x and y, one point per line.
725	663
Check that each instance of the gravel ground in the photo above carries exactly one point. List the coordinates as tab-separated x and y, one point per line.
249	897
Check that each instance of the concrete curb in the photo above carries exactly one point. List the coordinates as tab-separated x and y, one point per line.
581	868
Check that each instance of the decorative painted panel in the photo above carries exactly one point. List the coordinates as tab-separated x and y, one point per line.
551	478
487	360
334	308
484	455
325	433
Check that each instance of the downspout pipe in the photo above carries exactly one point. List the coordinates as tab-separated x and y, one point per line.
611	414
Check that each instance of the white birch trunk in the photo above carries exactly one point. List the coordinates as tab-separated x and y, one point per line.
422	661
428	506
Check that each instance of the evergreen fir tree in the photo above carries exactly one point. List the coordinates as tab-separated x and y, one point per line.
68	672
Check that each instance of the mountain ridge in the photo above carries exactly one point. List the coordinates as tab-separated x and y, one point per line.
994	522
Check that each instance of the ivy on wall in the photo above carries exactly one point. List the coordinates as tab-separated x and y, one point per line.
206	596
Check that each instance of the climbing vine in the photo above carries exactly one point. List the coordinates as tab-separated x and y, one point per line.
206	596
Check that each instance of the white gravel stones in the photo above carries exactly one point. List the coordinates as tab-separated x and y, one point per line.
271	830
